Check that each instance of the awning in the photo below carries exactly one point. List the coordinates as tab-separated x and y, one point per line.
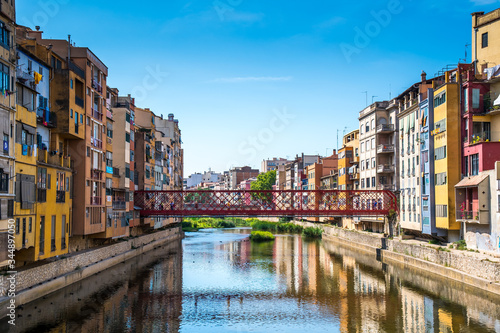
31	130
472	181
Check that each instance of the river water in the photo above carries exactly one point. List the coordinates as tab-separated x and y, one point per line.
219	281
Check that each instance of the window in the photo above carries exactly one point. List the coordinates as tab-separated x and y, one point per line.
367	164
440	153
441	178
367	182
81	118
71	113
373	162
4	36
474	165
441	210
373	124
30	225
373	181
5	144
71	83
63	232
4	181
17	225
367	128
5	73
53	234
42	235
440	99
440	126
362	183
42	184
362	147
362	165
484	40
466	166
373	143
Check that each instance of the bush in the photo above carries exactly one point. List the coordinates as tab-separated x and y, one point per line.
312	232
461	245
261	236
433	241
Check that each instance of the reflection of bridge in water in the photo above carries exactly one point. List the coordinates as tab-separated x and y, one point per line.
314	203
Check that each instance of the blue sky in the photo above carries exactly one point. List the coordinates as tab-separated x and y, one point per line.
249	80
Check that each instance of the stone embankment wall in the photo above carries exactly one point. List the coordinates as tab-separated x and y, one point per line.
35	282
37	275
419	253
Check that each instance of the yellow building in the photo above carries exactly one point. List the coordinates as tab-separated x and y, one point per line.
348	157
485	39
25	169
447	153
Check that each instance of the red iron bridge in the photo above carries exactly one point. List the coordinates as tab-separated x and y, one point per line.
298	203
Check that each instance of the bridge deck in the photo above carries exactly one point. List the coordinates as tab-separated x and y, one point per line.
316	203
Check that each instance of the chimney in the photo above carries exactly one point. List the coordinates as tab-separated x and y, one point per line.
69	49
424	76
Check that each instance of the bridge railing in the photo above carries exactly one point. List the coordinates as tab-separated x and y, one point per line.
265	203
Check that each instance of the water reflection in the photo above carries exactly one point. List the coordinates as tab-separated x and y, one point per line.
218	281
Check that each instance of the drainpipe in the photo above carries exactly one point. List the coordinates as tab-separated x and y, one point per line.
475	49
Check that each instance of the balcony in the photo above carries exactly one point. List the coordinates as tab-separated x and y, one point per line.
386	187
96	114
414	208
96	174
96	85
385	149
96	143
95	200
385	168
119	205
109	114
385	128
52	245
354	176
60	196
79	101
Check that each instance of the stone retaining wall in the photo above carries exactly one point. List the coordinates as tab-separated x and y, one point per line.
472	264
46	272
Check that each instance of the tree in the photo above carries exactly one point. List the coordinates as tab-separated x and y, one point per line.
265	181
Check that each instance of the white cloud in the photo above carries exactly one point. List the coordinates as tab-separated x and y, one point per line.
253	79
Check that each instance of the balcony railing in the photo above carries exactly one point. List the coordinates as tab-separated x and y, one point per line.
468	215
386	187
354	176
385	128
385	149
121	205
96	85
95	200
96	114
385	168
79	101
96	174
60	196
96	143
109	114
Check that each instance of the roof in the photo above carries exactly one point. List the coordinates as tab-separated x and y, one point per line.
472	181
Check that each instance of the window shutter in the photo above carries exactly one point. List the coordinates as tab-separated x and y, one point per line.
19	133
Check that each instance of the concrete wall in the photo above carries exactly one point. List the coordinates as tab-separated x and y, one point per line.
37	276
421	254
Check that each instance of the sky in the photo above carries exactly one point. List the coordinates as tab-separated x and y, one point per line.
252	80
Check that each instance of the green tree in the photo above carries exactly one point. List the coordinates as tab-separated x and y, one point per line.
265	181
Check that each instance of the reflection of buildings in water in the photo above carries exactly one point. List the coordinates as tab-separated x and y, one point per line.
156	302
445	321
413	306
366	284
288	258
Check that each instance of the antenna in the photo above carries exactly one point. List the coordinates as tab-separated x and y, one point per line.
366	96
466	47
390	92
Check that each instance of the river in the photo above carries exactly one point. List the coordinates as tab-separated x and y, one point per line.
219	281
